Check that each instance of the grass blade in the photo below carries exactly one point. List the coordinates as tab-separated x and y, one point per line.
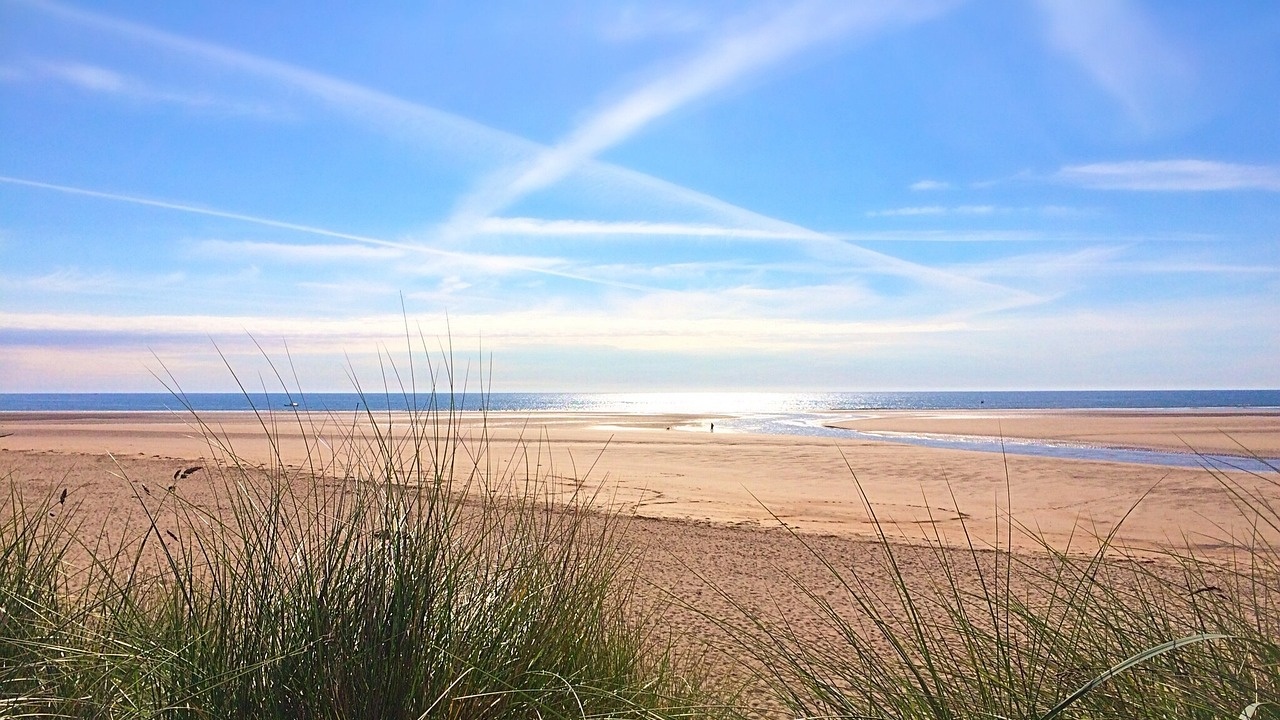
1131	662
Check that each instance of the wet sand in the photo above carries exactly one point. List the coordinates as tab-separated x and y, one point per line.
1238	432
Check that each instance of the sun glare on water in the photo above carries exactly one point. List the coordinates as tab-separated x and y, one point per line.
709	403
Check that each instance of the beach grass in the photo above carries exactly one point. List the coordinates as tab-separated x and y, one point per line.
1109	633
392	576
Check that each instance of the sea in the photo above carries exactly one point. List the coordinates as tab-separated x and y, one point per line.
806	414
707	403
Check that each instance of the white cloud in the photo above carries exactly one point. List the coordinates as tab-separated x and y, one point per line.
1176	343
571	228
496	264
937	210
88	77
1045	266
66	281
105	81
837	253
1132	341
560	326
296	253
718	66
816	303
944	236
1096	267
452	284
1061	211
924	185
837	249
1172	176
646	20
1192	266
1173	341
74	280
1122	50
391	114
909	211
724	61
203	325
808	22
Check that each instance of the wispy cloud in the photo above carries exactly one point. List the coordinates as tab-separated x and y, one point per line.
909	211
1045	266
734	56
722	63
719	65
1172	176
89	77
926	185
643	21
594	228
565	328
830	253
945	236
401	118
837	249
1096	262
97	79
296	253
725	60
1180	343
1123	51
484	263
207	325
1184	339
937	210
75	281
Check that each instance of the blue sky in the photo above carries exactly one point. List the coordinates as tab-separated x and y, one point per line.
653	196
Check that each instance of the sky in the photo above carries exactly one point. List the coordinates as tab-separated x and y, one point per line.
576	195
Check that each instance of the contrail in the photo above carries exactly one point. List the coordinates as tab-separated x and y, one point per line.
394	115
483	261
727	59
886	264
408	118
405	117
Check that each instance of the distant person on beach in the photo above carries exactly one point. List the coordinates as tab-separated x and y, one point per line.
713	427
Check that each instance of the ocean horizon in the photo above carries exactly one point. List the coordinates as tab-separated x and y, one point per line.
704	403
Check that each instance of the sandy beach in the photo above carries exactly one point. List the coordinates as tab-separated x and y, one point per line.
708	510
637	465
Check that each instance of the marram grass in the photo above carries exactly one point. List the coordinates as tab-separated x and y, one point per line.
1049	634
402	587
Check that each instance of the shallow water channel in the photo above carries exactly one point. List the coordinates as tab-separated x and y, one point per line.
815	425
